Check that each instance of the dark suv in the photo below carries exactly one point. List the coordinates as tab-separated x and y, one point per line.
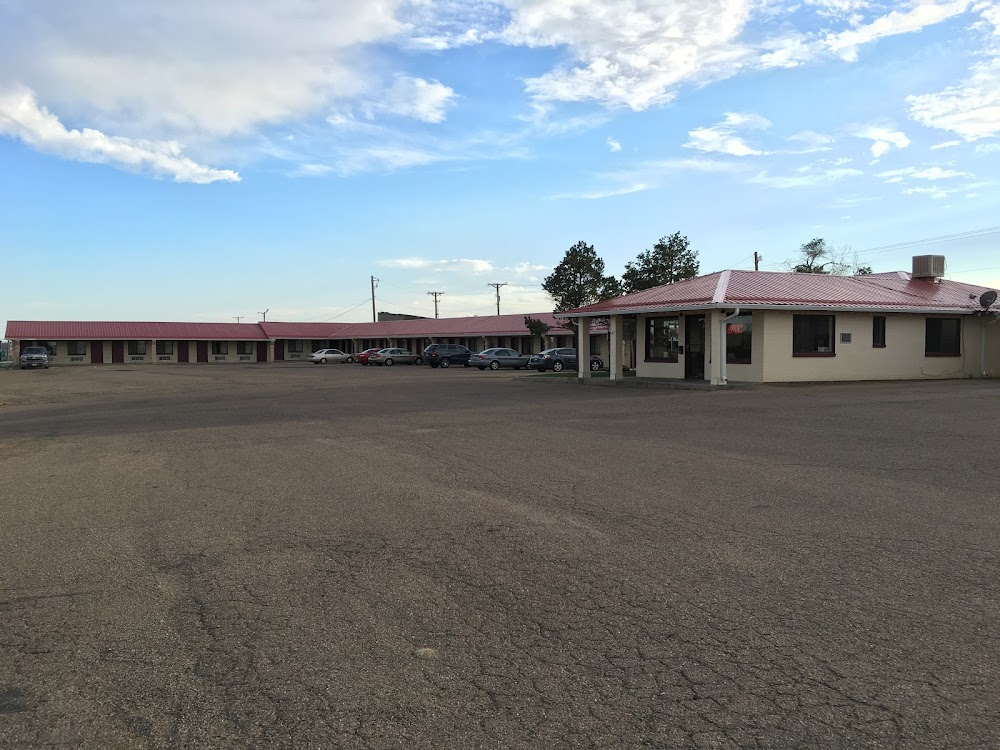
446	355
559	359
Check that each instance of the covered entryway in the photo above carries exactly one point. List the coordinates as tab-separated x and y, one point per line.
694	347
118	352
183	355
203	351
97	352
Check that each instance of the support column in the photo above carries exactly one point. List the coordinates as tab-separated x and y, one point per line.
270	350
583	348
15	352
615	346
152	351
713	350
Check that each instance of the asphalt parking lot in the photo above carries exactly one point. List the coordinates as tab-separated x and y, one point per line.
347	557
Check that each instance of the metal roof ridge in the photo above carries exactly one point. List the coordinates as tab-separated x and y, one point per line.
721	287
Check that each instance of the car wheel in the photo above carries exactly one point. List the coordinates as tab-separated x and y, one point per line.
446	362
388	363
494	365
323	361
350	360
557	366
418	361
595	365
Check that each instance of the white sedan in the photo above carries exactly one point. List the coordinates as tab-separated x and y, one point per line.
322	356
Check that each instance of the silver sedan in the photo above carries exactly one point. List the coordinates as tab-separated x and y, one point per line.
390	357
497	358
322	356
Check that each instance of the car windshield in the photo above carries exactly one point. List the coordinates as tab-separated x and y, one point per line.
34	350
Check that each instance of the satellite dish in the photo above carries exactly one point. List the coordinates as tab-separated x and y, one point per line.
987	298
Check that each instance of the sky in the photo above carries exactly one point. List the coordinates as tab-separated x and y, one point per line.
211	161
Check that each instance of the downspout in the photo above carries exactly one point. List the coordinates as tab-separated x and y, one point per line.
723	380
982	344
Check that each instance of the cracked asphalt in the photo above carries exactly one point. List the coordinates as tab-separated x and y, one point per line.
348	557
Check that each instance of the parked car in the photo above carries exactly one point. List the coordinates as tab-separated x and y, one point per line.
390	357
497	358
558	360
363	356
322	356
446	355
34	356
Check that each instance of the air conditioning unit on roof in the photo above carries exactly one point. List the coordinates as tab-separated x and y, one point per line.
928	266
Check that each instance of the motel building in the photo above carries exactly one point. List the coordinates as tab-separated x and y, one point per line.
135	343
760	327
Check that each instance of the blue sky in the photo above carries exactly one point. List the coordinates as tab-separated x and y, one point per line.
201	161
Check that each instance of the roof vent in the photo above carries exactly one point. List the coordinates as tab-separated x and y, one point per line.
928	266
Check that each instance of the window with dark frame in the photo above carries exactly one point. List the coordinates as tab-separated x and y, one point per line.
813	335
295	346
76	348
244	347
50	347
164	348
739	339
137	348
220	348
662	339
878	332
943	337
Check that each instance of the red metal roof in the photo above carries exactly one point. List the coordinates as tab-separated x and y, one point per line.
882	291
486	325
45	330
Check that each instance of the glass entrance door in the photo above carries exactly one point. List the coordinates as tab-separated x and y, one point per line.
694	347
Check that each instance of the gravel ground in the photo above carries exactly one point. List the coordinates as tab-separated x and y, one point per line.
317	557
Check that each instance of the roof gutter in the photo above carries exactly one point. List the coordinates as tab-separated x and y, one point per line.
770	306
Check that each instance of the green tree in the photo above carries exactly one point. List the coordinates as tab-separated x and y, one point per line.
815	257
671	259
863	271
535	326
579	280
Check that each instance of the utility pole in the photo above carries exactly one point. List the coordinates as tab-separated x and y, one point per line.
264	314
756	260
374	284
498	285
238	318
435	295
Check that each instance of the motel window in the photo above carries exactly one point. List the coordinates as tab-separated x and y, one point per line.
813	335
50	347
739	339
165	348
878	331
137	348
295	346
76	348
220	347
662	339
943	338
244	347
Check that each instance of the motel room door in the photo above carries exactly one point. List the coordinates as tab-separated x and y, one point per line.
118	352
97	352
261	351
203	351
279	350
694	347
183	355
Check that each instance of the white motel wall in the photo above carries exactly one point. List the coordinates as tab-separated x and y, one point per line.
772	360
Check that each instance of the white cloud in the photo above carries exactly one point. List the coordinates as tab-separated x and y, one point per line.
427	101
722	138
22	118
384	158
812	140
614	145
933	192
929	173
597	195
312	170
883	139
945	144
463	265
805	177
970	110
923	14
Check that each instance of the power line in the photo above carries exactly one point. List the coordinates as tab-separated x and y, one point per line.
970	234
497	285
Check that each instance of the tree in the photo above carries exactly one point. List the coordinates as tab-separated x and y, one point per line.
863	271
579	280
671	259
818	257
535	326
